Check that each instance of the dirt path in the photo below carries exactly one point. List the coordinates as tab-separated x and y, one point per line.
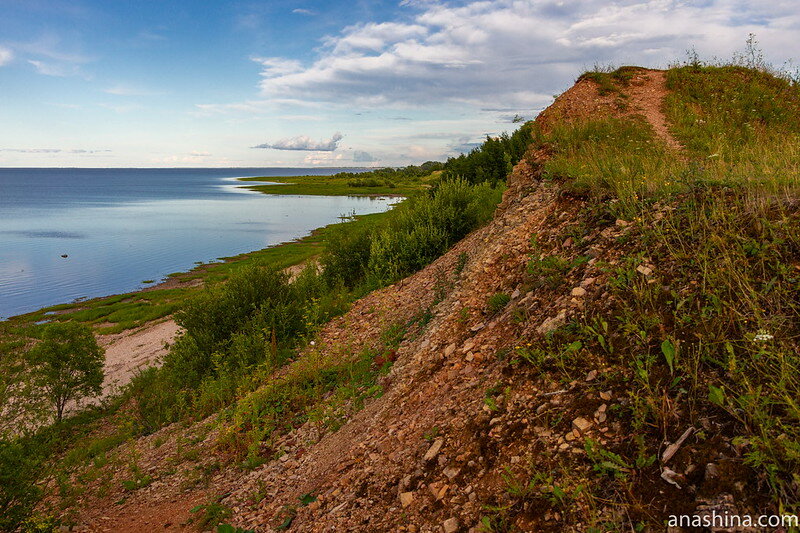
648	92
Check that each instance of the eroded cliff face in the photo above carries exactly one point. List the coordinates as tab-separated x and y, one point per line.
466	433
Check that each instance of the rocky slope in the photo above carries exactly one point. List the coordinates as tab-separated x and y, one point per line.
462	420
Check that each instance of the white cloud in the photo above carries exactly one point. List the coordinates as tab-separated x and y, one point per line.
277	66
516	53
301	11
6	56
59	70
304	143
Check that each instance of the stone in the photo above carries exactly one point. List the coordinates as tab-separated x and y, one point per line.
646	271
433	451
712	471
605	396
588	281
579	292
591	375
553	322
581	425
478	327
451	472
449	350
406	498
450	525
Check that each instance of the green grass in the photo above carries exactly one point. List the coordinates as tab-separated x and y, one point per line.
740	128
713	332
610	80
340	186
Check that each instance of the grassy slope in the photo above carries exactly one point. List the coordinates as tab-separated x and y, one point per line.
711	339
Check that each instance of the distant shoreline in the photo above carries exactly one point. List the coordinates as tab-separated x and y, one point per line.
159	300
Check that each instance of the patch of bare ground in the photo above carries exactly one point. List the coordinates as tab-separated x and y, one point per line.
643	94
647	91
130	351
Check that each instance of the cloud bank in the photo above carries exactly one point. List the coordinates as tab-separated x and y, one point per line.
514	53
304	143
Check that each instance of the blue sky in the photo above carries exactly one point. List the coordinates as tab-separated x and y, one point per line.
336	83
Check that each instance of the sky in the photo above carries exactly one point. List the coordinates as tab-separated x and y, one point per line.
171	83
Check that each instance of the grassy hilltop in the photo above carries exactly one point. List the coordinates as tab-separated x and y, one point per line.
606	338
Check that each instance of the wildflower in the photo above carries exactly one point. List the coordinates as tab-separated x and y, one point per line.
762	336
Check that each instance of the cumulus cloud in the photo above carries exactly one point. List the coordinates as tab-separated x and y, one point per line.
363	157
515	53
6	56
304	143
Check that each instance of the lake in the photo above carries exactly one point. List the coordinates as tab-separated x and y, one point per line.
120	227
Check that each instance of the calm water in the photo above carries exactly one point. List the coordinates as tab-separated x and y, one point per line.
119	227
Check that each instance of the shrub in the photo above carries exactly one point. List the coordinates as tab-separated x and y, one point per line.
346	256
426	226
18	490
231	320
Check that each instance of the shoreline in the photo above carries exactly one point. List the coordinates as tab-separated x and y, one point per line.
163	297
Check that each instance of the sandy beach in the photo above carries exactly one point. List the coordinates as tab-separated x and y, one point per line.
130	351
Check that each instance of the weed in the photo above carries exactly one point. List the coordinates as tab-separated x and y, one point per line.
210	515
497	302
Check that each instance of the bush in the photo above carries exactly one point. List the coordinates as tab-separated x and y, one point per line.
18	491
424	227
226	323
346	256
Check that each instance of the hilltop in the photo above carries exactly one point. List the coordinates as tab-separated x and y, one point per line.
616	344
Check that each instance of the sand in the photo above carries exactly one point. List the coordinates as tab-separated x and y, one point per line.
132	350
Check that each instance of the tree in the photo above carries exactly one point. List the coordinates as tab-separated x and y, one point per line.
67	364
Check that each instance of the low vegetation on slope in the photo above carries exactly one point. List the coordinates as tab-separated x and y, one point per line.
671	266
699	325
238	333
